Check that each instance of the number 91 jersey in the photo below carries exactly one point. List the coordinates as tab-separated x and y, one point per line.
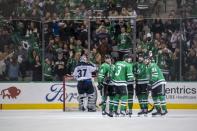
83	71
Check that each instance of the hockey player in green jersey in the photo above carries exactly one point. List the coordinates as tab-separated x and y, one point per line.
157	84
122	74
140	72
130	84
104	84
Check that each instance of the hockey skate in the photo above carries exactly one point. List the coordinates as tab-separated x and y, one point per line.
163	113
123	113
157	113
129	113
104	113
110	114
143	112
91	110
140	113
115	114
82	108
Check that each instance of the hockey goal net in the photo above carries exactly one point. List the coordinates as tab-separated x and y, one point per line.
69	94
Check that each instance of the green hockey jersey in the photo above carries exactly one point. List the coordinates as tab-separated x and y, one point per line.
104	71
164	61
123	73
147	47
124	42
130	75
48	75
140	72
112	68
155	75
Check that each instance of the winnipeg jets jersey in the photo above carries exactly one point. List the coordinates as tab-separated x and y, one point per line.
83	71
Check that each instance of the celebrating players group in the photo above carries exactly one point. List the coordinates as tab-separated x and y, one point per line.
118	81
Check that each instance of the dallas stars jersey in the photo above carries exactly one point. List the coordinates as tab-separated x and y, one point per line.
147	47
112	68
156	77
48	72
123	74
124	42
164	61
141	73
104	71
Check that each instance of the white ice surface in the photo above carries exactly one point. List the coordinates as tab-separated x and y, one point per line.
56	120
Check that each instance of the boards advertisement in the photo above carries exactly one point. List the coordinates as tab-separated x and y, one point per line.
181	95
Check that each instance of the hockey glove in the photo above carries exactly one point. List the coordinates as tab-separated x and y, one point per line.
107	80
100	86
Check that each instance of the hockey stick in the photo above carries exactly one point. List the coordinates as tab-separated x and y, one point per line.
152	107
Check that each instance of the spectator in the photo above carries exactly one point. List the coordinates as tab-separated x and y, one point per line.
59	67
95	56
157	26
37	69
48	70
191	74
124	42
72	62
102	33
191	58
174	42
175	70
103	47
13	69
2	67
164	60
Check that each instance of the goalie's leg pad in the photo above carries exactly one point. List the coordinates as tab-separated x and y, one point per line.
91	102
81	102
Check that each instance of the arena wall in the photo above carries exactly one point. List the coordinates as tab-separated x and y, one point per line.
181	95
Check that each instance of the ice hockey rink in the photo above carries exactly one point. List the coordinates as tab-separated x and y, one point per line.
56	120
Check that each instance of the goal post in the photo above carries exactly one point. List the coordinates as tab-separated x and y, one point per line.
64	94
69	96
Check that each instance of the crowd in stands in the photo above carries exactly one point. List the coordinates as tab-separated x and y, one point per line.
39	42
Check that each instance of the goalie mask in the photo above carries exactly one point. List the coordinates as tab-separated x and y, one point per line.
83	59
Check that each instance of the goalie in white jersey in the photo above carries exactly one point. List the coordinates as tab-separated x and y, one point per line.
83	74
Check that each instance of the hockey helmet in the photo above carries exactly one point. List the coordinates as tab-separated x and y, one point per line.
147	60
128	57
140	57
